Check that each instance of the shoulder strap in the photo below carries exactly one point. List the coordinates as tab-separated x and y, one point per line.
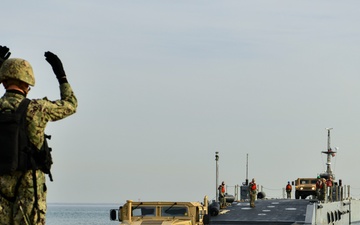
22	110
23	105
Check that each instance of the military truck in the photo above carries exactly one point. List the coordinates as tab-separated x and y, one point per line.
305	187
170	213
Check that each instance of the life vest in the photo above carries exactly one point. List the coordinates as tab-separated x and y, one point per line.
288	187
319	184
252	186
329	183
223	189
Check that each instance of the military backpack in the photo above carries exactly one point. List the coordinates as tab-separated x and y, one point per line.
17	153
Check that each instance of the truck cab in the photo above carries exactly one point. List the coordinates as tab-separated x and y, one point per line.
169	213
305	187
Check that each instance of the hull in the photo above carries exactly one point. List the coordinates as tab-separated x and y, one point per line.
290	211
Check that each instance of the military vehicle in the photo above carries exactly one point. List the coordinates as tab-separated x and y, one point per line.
170	213
305	187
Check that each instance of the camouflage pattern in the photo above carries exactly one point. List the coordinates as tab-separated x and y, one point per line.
252	193
18	69
321	189
222	198
40	111
15	213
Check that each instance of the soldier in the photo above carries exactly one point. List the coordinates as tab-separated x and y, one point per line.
252	192
288	189
18	203
321	188
222	199
329	184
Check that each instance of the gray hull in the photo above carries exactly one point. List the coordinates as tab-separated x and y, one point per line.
290	211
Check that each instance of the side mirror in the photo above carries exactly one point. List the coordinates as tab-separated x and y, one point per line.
113	214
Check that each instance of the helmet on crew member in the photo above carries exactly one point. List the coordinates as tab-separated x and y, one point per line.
17	69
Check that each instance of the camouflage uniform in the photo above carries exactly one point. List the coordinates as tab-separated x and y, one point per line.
222	198
321	189
21	210
252	193
329	184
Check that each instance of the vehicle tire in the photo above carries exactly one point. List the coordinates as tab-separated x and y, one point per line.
296	195
214	208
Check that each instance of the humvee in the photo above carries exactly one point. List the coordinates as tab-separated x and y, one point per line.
305	187
170	213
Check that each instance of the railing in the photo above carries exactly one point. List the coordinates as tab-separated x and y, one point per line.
340	193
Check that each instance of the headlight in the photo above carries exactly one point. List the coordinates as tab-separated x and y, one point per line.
301	188
313	188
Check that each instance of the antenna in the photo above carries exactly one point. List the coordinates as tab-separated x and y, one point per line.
247	169
330	153
328	144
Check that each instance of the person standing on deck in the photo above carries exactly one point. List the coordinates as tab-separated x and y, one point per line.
288	190
252	191
321	188
222	199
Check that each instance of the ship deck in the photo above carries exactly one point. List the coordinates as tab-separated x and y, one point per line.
277	211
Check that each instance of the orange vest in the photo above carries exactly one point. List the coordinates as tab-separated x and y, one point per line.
319	184
288	187
329	183
253	186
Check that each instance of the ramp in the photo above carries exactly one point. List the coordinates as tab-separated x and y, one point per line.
278	211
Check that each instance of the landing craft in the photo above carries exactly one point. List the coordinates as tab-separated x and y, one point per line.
341	209
337	208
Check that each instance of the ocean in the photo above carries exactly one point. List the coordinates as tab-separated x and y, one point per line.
80	214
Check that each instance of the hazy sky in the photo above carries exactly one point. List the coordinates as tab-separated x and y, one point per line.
162	85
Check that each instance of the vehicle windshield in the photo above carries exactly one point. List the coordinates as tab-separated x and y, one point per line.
144	211
174	211
312	181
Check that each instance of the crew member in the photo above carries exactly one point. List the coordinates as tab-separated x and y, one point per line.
222	199
288	189
321	188
18	205
252	192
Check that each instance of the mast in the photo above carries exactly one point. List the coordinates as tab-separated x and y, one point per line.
217	175
330	153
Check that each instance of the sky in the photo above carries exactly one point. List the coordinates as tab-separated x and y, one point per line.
163	85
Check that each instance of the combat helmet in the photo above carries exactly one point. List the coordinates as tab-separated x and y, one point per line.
18	69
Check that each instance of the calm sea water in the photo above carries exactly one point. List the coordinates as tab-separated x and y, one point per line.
80	214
